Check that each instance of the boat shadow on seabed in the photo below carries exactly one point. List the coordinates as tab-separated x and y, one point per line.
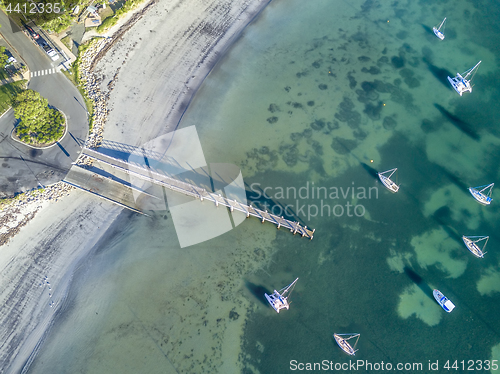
439	73
419	281
258	291
458	123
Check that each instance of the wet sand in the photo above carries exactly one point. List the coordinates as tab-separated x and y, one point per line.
169	51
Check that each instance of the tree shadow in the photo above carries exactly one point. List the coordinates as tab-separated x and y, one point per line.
458	123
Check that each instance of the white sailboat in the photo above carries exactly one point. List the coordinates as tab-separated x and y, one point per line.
279	299
482	193
343	342
387	182
438	32
461	83
471	244
442	300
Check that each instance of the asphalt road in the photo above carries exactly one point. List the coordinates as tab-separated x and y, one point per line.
22	167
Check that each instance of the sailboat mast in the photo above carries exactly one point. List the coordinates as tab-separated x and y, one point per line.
472	70
442	23
289	287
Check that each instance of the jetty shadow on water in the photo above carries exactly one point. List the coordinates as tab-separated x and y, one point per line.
264	203
458	123
419	281
258	291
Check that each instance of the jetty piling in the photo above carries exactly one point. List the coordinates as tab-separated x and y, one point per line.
196	192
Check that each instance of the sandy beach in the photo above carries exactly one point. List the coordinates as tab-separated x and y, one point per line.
170	51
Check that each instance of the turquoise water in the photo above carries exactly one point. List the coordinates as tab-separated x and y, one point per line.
315	97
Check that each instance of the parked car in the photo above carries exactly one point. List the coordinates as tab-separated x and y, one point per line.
52	54
32	32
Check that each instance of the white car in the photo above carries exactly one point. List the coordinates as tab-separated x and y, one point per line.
52	54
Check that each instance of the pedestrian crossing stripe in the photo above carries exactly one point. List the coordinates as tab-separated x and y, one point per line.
39	73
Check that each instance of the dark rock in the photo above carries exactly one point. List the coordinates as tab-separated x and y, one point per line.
389	123
346	104
291	156
307	133
272	120
373	70
343	146
373	111
412	82
352	81
402	34
406	73
318	124
273	108
383	60
429	126
360	134
398	62
323	87
368	86
333	125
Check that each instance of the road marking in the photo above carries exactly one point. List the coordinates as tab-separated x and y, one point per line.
39	73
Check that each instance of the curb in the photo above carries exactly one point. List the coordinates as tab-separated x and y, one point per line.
14	49
49	146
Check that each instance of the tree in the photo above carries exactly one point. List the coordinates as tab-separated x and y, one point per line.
38	122
3	57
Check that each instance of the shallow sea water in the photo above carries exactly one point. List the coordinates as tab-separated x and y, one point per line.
317	95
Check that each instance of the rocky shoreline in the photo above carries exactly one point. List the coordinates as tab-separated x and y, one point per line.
19	210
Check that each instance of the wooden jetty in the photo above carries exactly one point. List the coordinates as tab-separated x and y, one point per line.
158	177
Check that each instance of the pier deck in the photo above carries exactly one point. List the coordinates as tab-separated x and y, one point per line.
159	178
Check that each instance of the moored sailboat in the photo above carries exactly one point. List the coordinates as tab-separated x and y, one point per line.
471	243
387	182
279	299
344	344
482	193
442	300
461	83
439	31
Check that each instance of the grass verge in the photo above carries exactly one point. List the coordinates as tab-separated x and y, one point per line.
73	74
